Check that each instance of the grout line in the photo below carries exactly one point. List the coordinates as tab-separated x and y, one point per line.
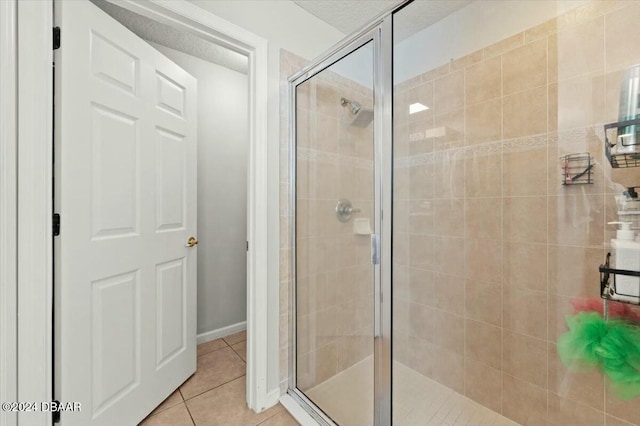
237	353
215	387
189	411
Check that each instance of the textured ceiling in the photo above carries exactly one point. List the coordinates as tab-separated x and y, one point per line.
349	15
165	35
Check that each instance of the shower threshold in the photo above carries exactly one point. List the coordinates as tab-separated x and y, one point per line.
418	400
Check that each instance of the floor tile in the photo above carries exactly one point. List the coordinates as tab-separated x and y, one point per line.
214	369
226	405
174	416
283	418
234	338
174	399
205	348
241	350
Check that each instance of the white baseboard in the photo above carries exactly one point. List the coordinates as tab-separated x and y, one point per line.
221	332
297	411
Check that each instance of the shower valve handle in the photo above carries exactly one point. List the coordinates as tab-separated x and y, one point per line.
344	210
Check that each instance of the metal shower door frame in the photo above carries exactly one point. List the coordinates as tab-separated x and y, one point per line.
380	32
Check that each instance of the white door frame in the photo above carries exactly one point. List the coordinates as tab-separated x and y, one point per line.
34	171
8	210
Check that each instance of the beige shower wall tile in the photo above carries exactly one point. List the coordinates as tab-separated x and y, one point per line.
421	251
452	126
401	351
483	302
326	362
483	122
525	265
483	176
325	136
419	143
576	220
613	421
400	282
448	94
400	249
564	411
573	271
421	322
421	286
323	180
326	326
421	216
580	49
483	260
327	100
483	218
400	139
525	113
420	182
558	309
423	356
583	387
483	342
448	331
525	67
613	81
620	37
449	256
448	293
448	217
580	101
552	107
448	178
483	81
305	122
523	402
347	187
449	369
364	185
525	172
525	311
525	219
483	384
525	358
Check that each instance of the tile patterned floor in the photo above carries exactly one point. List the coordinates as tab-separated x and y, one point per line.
418	400
215	394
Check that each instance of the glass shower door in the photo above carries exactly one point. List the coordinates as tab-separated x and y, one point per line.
335	224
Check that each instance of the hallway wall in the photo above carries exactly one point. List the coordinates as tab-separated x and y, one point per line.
222	191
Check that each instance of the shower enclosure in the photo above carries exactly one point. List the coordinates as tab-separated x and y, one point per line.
453	167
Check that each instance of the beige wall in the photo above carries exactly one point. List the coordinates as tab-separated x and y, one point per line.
489	247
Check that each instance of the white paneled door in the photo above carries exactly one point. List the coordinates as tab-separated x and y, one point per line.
125	187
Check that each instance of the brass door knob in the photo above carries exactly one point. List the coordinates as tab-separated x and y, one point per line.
192	242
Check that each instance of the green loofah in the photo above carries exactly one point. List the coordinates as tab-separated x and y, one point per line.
611	346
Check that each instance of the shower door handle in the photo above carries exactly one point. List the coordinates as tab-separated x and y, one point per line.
375	249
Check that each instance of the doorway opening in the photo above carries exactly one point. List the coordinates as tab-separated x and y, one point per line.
139	134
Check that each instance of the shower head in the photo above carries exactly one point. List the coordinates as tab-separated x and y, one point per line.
353	105
363	116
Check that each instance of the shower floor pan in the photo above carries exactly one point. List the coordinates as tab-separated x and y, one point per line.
418	400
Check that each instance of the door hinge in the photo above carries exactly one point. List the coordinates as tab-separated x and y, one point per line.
55	414
247	245
56	38
56	224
